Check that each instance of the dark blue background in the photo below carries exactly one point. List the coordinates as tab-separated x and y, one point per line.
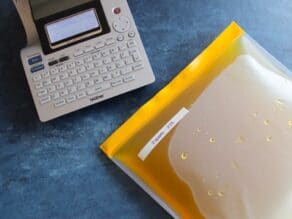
55	170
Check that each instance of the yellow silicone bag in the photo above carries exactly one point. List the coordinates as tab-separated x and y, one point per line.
217	141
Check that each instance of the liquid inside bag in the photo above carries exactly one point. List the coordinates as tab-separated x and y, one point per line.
216	143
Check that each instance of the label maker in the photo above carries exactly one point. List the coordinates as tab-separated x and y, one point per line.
80	52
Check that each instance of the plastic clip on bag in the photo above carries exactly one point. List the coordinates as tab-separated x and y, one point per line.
217	141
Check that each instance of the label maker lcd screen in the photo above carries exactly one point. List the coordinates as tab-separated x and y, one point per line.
75	25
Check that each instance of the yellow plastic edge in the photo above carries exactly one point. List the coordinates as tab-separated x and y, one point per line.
143	116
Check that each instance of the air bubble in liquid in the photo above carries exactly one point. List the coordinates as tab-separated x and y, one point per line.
267	122
212	140
269	139
220	194
184	156
210	193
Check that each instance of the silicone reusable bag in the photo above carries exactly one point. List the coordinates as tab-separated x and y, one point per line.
217	141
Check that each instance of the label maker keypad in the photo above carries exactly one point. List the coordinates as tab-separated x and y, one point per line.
89	71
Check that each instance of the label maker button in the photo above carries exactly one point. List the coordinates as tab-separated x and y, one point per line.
120	38
121	25
37	68
54	62
131	34
64	59
35	59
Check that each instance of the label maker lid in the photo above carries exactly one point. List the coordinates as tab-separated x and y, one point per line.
45	8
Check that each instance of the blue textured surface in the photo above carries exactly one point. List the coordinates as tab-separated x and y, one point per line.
54	170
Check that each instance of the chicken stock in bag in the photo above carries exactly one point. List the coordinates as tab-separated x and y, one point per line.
216	142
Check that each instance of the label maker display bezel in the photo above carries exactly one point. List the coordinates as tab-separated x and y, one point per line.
42	23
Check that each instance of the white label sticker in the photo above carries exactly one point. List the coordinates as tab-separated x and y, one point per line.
149	147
